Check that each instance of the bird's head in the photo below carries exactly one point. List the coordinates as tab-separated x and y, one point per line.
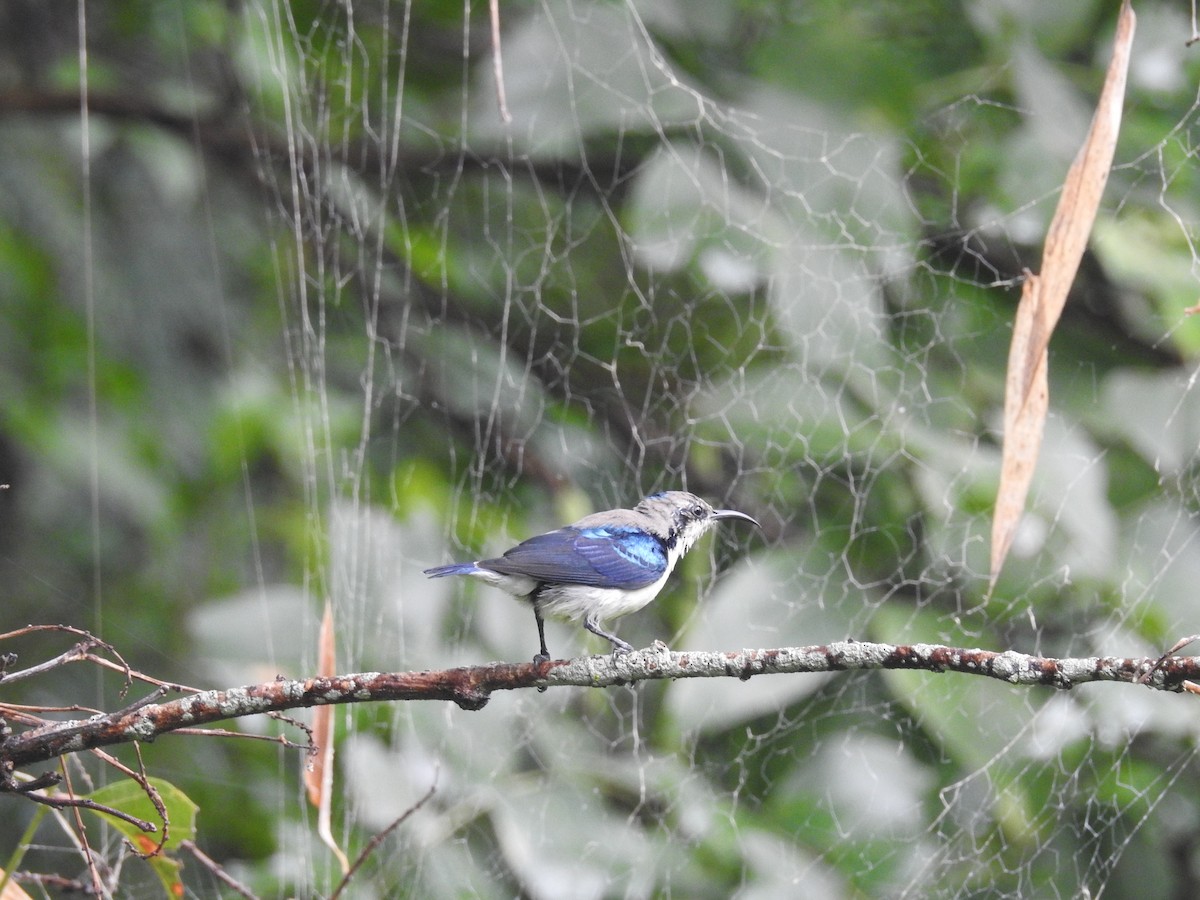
681	518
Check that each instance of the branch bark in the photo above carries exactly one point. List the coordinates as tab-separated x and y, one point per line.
471	687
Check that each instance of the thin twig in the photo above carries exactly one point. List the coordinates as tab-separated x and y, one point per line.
69	802
280	739
173	686
143	781
81	833
216	869
76	653
36	783
23	711
1175	648
378	839
150	698
87	637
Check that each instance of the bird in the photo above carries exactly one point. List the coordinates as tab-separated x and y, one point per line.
604	566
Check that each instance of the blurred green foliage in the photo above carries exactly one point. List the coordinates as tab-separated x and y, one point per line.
313	318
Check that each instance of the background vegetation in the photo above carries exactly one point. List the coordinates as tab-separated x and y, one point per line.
292	313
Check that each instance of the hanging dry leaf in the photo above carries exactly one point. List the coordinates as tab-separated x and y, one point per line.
1026	391
12	890
1026	400
318	780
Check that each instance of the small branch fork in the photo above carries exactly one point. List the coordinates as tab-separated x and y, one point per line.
33	788
471	687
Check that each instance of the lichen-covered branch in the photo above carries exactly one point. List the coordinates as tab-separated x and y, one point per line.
471	687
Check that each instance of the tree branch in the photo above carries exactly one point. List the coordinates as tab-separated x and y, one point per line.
471	687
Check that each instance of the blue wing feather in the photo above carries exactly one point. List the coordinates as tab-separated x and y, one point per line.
608	557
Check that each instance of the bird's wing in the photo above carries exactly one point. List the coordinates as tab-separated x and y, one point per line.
598	556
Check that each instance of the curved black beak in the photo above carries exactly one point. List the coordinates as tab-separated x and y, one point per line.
734	514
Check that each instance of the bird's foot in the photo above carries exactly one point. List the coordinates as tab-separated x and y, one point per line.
538	659
620	648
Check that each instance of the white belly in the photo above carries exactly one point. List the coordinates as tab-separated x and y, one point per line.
577	601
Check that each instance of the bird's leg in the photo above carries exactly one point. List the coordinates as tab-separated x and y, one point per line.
619	646
543	654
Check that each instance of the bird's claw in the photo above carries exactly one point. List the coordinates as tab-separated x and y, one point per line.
538	659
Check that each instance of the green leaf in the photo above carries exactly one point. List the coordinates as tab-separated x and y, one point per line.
129	797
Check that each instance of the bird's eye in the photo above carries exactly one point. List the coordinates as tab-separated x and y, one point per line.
697	511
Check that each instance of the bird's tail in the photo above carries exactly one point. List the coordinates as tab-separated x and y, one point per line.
452	569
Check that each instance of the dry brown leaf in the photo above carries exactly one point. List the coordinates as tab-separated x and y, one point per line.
319	779
1026	393
12	890
1026	400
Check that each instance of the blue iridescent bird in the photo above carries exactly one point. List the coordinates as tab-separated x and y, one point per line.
604	566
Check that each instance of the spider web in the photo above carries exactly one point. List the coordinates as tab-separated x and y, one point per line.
655	277
766	253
